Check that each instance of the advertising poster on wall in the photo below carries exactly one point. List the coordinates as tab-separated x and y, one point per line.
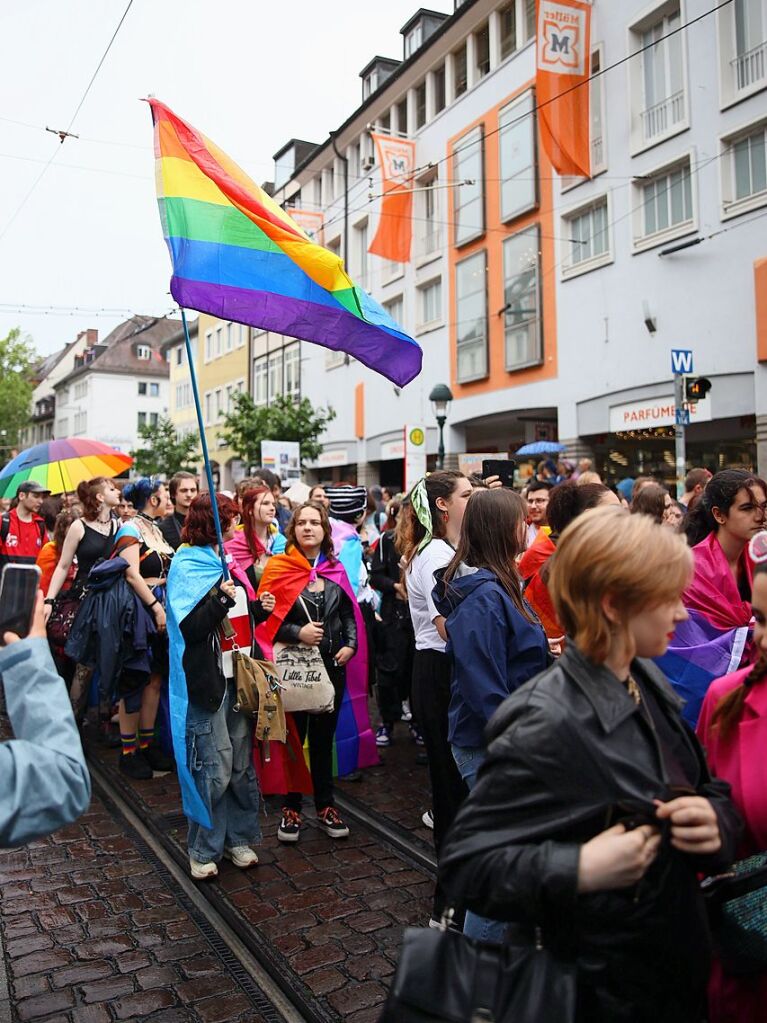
282	457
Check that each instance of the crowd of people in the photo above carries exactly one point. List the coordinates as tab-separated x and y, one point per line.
582	666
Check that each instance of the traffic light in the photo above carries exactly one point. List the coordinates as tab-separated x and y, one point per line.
696	388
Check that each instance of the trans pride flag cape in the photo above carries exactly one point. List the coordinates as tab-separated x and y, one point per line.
193	572
286	575
716	639
236	254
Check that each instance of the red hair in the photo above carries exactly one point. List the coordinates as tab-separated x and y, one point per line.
248	502
199	529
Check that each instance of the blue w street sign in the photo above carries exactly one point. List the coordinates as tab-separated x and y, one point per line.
681	360
682	417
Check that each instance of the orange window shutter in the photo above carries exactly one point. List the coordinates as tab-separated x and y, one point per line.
760	302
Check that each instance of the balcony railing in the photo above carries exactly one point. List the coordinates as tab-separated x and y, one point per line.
662	117
750	67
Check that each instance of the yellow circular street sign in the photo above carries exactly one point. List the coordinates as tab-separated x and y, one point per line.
417	436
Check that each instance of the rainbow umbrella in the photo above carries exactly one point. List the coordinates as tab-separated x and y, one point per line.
59	465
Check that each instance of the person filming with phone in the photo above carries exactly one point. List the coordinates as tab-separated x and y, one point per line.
44	782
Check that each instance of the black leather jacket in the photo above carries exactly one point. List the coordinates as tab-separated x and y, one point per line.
203	664
338	619
569	755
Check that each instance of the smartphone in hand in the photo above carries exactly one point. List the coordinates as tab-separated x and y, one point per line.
18	591
503	468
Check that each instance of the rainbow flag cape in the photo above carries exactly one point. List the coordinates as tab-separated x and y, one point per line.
237	255
286	575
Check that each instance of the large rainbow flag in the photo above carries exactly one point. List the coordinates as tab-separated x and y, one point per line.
237	255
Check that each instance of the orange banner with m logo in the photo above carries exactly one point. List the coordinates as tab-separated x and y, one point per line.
396	158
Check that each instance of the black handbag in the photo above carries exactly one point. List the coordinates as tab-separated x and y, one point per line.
444	977
737	908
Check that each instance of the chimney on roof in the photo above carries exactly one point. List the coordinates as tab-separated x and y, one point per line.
91	336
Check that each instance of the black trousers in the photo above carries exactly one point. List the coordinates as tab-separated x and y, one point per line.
395	646
321	729
430	701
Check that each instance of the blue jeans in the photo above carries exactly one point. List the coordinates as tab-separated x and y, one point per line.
468	760
219	748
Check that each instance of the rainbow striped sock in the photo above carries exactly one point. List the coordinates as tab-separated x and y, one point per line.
129	744
145	737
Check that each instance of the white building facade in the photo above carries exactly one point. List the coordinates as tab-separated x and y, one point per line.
550	306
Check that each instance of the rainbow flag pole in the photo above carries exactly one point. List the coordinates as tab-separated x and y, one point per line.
204	444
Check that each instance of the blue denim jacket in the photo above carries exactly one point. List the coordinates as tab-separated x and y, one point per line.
44	782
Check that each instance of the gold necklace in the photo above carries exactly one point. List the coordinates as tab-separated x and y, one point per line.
633	689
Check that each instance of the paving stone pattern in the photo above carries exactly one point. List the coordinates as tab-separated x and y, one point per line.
333	910
91	935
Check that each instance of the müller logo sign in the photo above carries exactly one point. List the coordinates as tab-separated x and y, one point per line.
643	415
560	45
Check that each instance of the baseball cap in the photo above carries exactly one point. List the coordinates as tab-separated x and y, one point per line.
31	487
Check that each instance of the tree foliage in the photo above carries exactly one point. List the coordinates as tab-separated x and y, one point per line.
247	425
165	451
17	361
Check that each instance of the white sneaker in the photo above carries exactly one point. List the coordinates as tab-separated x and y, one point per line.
241	856
203	871
428	819
406	712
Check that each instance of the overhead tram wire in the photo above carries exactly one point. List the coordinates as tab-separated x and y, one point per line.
55	152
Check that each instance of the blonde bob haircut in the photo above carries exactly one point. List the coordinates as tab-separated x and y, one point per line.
607	551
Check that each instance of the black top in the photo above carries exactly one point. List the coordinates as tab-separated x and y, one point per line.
171	527
93	547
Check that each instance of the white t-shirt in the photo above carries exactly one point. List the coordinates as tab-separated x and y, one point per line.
420	583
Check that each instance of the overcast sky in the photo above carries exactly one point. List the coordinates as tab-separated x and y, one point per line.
249	75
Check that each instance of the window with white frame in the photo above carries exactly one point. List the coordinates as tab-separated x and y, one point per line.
62	427
179	355
81	422
749	65
230	328
259	381
460	71
430	303
468	193
413	40
521	294
529	19
517	156
154	418
141	419
219	342
482	52
744	170
219	402
420	105
274	377
360	250
597	113
208	408
154	390
292	371
228	398
395	307
427	204
587	231
662	107
401	110
81	388
508	29
665	208
143	353
471	317
141	388
439	89
208	345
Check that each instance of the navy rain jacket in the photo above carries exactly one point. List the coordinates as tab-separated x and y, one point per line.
494	649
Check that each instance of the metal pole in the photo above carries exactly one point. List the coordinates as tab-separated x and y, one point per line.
204	446
680	416
441	446
345	161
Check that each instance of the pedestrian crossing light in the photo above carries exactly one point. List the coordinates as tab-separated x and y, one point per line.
696	388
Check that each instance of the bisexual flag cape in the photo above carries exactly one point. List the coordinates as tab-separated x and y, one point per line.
716	638
286	575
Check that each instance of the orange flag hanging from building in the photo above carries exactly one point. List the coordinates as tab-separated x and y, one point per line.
562	93
394	237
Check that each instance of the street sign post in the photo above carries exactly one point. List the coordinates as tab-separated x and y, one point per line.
681	363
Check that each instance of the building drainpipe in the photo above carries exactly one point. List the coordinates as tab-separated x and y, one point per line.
345	161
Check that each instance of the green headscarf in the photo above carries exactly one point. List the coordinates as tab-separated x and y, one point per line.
419	499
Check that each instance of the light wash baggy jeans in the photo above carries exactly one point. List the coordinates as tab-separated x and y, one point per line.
219	750
468	760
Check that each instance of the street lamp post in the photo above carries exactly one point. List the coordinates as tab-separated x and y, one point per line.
440	399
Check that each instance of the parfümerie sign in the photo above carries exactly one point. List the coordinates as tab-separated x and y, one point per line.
651	412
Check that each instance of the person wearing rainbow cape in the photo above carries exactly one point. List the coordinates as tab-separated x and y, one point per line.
308	575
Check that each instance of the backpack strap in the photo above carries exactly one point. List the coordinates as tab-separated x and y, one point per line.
5	526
